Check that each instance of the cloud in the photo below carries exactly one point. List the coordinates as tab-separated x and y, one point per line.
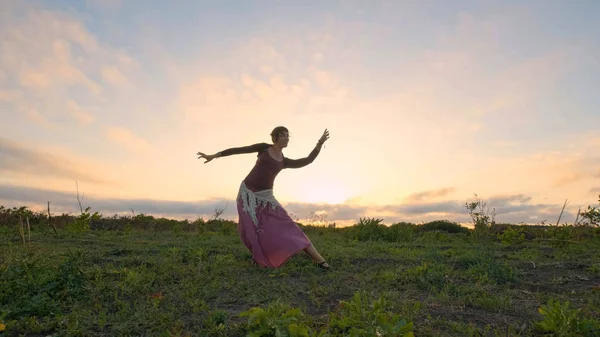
79	114
34	116
20	160
509	199
570	178
580	164
335	212
104	4
67	202
562	168
595	190
474	51
9	95
411	209
511	209
128	139
263	76
49	56
113	75
430	194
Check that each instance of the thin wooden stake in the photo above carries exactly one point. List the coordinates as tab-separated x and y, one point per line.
50	220
577	218
28	232
559	217
21	230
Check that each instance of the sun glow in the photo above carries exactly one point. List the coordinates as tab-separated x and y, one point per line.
323	191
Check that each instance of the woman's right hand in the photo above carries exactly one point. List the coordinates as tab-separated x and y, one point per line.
208	157
324	137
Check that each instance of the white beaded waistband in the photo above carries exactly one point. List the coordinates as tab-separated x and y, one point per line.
253	200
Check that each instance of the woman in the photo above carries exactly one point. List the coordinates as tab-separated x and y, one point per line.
264	226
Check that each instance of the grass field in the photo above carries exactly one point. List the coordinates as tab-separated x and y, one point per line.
435	280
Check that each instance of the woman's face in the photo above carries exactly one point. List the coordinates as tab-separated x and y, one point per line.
283	139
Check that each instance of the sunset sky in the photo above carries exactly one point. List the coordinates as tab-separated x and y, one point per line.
427	103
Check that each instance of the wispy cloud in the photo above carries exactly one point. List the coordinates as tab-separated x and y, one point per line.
22	161
127	139
46	56
79	114
426	195
580	163
67	202
110	4
261	78
113	75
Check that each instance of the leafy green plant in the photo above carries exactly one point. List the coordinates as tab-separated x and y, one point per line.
591	216
363	317
216	323
481	217
562	320
512	236
278	319
82	223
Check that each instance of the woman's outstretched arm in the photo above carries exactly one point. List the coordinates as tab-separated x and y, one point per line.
298	163
243	149
234	150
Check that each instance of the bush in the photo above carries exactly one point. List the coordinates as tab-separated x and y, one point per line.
400	232
512	236
444	226
369	230
562	320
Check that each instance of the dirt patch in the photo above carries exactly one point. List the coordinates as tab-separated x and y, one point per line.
557	277
477	317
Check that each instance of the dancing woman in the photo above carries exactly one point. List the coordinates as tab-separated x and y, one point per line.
264	226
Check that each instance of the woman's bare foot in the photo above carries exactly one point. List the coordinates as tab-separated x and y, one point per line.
317	258
324	265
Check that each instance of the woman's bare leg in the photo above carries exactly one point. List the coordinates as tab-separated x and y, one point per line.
310	250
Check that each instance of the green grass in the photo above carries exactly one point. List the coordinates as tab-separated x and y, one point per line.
201	282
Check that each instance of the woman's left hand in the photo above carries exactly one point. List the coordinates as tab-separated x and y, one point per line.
324	137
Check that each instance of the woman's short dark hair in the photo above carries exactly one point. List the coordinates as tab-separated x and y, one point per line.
278	131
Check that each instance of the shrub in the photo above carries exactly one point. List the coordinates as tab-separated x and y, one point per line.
562	320
369	230
512	236
444	226
400	232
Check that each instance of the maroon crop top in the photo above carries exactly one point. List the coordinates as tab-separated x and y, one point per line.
262	176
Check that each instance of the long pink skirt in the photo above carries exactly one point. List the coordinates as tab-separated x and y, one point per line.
276	239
